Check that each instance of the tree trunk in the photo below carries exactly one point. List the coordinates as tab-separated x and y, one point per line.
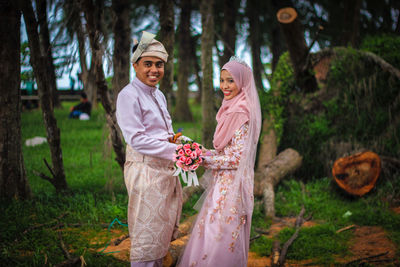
167	37
39	65
122	43
269	145
47	49
255	43
266	178
87	76
357	174
208	94
298	50
277	43
352	14
197	68
93	26
231	9
182	111
13	181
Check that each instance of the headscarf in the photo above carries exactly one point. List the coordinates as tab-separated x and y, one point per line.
149	47
234	112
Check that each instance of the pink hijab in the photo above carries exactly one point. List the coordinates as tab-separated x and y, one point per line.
235	112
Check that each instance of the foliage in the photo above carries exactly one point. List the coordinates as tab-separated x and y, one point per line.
387	46
356	108
273	102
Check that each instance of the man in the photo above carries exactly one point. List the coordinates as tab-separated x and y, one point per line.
82	110
155	196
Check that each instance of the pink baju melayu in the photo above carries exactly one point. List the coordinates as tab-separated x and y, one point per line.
155	196
221	234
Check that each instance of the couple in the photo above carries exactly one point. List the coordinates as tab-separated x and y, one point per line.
221	234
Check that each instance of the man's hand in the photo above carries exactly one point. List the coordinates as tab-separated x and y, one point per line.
174	138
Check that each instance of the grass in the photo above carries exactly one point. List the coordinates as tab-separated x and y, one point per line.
97	195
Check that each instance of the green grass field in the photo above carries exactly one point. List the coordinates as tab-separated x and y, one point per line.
97	196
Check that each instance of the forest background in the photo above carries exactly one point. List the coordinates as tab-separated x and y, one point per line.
333	90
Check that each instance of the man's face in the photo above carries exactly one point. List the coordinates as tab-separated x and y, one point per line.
149	70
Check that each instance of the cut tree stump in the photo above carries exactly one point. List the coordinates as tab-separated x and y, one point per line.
266	178
357	174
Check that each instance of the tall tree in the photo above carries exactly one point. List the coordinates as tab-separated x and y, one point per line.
255	42
182	111
298	50
93	21
229	30
39	65
13	181
167	37
208	94
352	15
41	6
122	43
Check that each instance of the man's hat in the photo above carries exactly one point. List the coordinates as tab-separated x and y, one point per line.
149	47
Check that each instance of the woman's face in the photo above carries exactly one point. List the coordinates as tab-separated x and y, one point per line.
228	85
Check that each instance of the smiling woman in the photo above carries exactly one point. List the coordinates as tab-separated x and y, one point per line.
228	85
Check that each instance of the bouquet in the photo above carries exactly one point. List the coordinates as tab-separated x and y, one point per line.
187	159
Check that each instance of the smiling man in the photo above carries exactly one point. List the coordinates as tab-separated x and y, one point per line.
155	196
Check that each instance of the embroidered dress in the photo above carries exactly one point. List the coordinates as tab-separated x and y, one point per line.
222	229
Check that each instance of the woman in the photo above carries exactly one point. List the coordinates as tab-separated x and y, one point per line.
221	234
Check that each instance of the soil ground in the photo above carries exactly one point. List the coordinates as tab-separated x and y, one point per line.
368	241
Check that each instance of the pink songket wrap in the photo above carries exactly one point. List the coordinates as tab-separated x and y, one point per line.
221	234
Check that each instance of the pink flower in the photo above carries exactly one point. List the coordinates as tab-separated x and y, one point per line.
194	167
179	147
179	164
198	151
193	155
186	146
200	160
181	152
182	159
188	161
195	145
188	152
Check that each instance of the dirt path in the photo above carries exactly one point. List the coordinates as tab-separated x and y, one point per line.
368	241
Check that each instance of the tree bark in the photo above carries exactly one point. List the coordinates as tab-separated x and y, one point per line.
265	179
255	43
208	94
167	37
122	43
197	68
47	49
269	145
87	76
277	43
39	65
13	180
352	14
228	35
298	50
182	111
93	26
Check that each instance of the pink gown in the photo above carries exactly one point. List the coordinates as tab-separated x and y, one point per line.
221	234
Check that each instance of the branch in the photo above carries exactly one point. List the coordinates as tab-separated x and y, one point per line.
299	222
48	167
43	176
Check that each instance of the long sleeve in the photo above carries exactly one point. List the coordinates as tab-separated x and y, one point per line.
150	139
230	156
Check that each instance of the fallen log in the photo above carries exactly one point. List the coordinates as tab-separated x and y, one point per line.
358	173
266	178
